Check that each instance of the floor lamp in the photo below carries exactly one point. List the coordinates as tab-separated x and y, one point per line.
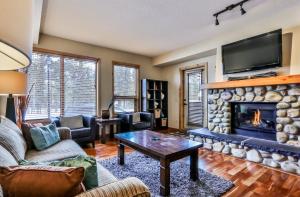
12	83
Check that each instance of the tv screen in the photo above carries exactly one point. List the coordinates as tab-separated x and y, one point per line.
259	52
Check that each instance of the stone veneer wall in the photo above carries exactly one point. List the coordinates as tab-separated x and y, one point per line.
288	108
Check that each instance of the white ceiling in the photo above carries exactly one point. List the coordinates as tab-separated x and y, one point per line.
149	27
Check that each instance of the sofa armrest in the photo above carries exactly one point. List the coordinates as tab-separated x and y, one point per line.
64	133
148	117
129	187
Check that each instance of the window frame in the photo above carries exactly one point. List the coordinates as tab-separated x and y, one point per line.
64	55
135	98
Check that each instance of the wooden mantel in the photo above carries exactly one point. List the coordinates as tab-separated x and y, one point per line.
278	80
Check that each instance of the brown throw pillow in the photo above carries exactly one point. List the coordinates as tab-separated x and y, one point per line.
46	181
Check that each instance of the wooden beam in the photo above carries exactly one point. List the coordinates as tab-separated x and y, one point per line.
278	80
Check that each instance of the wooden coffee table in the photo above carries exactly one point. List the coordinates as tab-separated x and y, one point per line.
162	147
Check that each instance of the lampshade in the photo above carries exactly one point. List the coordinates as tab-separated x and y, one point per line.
13	82
11	58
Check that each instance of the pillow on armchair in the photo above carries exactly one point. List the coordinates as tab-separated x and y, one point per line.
73	122
136	117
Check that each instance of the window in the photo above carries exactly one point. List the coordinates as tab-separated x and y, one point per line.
63	86
125	87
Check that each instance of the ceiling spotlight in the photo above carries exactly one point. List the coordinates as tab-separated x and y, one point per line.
242	10
217	21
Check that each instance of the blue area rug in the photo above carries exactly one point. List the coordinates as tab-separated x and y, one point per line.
147	170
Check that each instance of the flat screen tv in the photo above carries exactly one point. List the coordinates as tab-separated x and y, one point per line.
255	53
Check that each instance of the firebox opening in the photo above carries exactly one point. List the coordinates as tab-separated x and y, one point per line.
255	119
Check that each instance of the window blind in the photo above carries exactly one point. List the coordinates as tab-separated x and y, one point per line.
63	86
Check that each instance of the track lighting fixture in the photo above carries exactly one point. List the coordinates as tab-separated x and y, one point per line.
217	21
242	10
229	8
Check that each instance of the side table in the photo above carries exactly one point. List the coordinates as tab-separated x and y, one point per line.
103	123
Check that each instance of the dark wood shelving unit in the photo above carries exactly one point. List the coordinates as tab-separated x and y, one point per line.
155	100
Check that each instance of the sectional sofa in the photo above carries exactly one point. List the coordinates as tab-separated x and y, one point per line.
13	148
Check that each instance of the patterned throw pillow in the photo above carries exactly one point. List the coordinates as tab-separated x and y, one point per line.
136	117
45	136
73	122
36	181
89	164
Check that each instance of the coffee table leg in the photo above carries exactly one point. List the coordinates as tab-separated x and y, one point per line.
121	154
164	177
194	165
111	131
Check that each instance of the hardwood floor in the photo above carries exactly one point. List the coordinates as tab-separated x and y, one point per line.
250	179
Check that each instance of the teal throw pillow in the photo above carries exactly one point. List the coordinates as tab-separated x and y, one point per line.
45	136
90	180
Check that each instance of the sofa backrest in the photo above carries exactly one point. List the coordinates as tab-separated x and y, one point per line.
11	138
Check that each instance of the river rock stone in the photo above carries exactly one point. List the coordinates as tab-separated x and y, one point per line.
226	104
225	109
216	129
211	126
198	139
226	130
283	92
294	92
289	99
249	89
213	107
293	113
289	128
220	115
265	154
233	145
240	153
249	96
290	158
259	91
296	123
279	127
284	120
220	102
211	116
254	155
218	147
270	88
270	162
272	96
277	157
293	143
215	96
227	115
296	105
282	105
281	113
225	120
281	137
207	146
258	98
240	91
236	98
281	87
226	95
289	166
217	120
226	149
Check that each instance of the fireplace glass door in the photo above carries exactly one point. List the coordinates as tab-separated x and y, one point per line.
255	119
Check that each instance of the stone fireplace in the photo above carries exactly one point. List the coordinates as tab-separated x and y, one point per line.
267	112
254	119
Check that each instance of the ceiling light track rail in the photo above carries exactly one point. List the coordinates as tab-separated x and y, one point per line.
229	8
